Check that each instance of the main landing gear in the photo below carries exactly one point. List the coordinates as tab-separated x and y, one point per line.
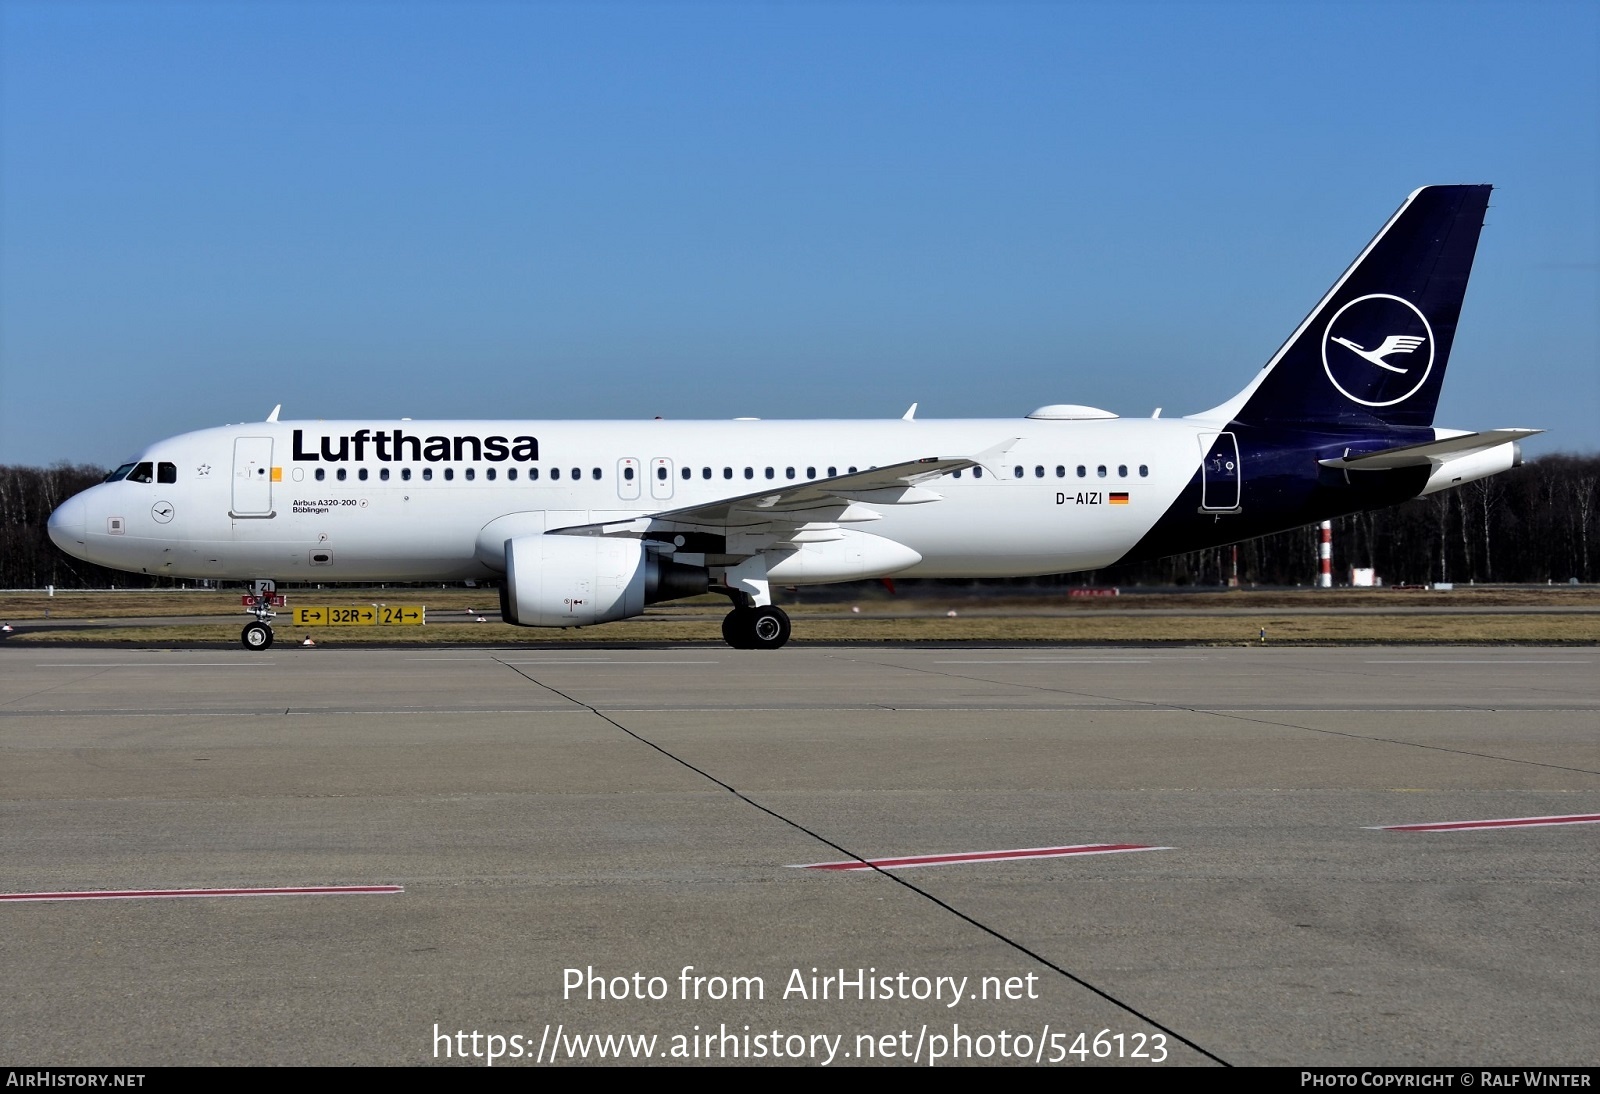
764	628
257	635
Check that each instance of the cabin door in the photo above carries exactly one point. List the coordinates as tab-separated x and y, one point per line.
252	477
1219	473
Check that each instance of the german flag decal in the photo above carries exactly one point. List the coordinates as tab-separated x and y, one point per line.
1119	498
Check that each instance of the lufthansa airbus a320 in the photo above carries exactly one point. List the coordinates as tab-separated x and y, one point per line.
584	522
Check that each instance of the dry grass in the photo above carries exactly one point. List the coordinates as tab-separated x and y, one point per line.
158	603
900	620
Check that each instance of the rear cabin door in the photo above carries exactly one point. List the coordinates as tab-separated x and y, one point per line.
252	477
1219	473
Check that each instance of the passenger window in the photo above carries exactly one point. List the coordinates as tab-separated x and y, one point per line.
555	472
977	472
1017	474
686	474
427	474
1038	471
166	472
383	473
471	473
832	471
769	472
405	474
341	474
1082	471
577	473
749	472
362	474
955	474
811	472
852	471
142	473
727	472
627	474
595	474
511	473
705	472
322	473
1144	470
1101	471
533	474
1061	472
449	474
661	474
489	474
1122	471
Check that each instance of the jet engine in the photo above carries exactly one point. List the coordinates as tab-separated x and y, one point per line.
575	581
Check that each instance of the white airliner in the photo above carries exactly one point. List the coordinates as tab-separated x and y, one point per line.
587	522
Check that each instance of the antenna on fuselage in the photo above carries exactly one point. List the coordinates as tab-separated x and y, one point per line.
274	415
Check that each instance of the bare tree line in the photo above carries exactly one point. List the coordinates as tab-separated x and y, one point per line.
1535	524
1538	524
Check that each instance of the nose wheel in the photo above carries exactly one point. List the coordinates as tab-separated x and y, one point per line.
764	628
256	636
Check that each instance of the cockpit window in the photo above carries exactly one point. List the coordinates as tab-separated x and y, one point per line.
120	473
166	472
144	472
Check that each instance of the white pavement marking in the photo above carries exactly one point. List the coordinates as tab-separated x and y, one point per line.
1483	662
1059	661
977	856
154	664
1505	822
168	894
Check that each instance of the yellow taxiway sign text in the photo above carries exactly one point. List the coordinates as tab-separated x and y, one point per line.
362	615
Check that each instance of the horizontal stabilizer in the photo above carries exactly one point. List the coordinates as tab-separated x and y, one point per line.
1422	455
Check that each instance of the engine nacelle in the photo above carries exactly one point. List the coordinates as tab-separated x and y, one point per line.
576	581
1471	466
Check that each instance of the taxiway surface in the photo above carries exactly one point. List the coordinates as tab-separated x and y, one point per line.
627	811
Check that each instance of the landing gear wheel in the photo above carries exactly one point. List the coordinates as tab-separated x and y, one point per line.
256	636
736	628
756	628
769	628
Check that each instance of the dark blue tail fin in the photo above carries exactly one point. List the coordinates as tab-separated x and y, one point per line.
1372	354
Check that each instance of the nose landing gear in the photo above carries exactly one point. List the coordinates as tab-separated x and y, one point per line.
257	636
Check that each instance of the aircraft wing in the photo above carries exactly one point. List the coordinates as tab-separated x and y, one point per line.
841	498
1422	455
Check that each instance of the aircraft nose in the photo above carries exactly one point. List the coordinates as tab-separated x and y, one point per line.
68	525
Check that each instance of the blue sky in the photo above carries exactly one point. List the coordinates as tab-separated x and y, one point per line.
779	210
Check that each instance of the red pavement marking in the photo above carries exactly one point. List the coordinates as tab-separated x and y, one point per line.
140	894
1510	822
978	856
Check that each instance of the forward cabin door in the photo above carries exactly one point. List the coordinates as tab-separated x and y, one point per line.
252	477
1219	473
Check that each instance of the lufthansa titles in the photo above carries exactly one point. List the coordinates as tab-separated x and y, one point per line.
395	445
